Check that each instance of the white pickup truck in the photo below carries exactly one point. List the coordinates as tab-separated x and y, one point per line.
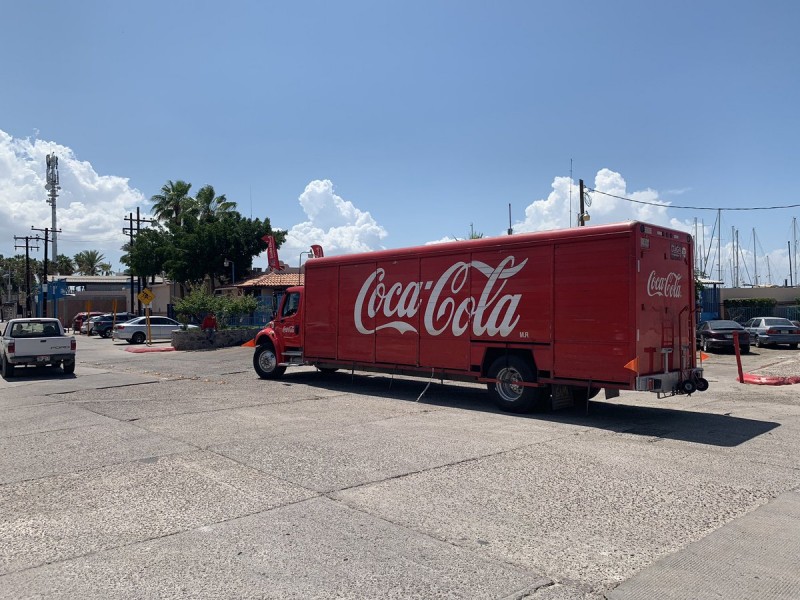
37	342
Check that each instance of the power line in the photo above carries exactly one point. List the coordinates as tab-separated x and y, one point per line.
690	207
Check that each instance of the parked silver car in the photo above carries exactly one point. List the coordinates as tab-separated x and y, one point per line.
765	331
135	330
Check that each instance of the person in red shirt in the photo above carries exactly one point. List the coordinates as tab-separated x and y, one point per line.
209	325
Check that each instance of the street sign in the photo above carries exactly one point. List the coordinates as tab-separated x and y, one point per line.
146	296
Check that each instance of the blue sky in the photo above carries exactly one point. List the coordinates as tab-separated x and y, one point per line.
387	124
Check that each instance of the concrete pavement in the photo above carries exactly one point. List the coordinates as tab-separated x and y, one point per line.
183	475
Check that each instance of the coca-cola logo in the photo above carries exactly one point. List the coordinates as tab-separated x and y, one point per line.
668	286
492	313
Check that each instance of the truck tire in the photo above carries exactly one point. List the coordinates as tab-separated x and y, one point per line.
266	363
138	338
68	366
507	394
106	333
7	368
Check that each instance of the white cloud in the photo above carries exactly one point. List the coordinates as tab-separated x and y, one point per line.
554	212
333	222
559	210
90	207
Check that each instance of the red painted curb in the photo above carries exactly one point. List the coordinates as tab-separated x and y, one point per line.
150	349
767	380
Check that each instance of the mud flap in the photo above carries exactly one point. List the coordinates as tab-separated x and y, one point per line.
562	397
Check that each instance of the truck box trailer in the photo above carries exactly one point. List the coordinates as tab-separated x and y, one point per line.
539	317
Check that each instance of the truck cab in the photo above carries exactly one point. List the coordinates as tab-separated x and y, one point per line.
280	343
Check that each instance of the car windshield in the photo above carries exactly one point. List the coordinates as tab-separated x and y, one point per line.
724	325
778	322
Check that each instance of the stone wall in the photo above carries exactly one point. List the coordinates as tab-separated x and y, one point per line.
195	339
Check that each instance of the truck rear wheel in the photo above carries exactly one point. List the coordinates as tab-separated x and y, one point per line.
509	393
7	368
266	363
68	366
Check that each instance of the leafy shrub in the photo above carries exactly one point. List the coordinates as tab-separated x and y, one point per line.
198	303
750	303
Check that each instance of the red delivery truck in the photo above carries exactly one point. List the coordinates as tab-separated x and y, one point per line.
544	319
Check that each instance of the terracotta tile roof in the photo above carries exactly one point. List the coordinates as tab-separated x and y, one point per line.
274	280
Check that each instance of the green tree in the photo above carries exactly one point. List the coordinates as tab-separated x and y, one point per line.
88	261
173	201
63	265
209	206
196	236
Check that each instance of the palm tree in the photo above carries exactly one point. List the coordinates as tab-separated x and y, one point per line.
89	262
173	200
105	268
208	205
63	265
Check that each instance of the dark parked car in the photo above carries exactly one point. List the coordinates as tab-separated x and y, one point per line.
765	331
718	334
103	324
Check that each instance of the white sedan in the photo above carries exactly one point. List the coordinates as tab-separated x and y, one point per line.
135	330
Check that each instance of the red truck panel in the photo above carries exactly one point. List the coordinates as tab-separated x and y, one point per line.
665	299
592	304
356	331
396	313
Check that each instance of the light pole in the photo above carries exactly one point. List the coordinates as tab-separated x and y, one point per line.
232	265
300	264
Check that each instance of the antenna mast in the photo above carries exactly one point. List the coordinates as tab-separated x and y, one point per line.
52	187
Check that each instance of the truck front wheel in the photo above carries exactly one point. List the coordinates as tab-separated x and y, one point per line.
266	363
508	391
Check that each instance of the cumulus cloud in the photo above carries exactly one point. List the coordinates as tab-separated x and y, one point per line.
561	206
91	207
555	212
333	222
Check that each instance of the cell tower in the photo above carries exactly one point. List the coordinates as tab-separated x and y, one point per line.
52	187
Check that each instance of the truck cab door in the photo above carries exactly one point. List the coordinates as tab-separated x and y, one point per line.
289	320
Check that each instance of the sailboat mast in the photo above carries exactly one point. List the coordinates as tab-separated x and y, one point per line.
755	260
719	245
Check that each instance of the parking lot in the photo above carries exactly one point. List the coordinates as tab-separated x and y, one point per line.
181	474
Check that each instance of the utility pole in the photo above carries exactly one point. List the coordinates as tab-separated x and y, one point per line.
27	239
585	201
44	277
131	231
52	187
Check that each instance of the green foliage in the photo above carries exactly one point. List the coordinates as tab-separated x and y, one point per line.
16	266
699	286
198	236
63	265
750	303
89	261
173	202
198	303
